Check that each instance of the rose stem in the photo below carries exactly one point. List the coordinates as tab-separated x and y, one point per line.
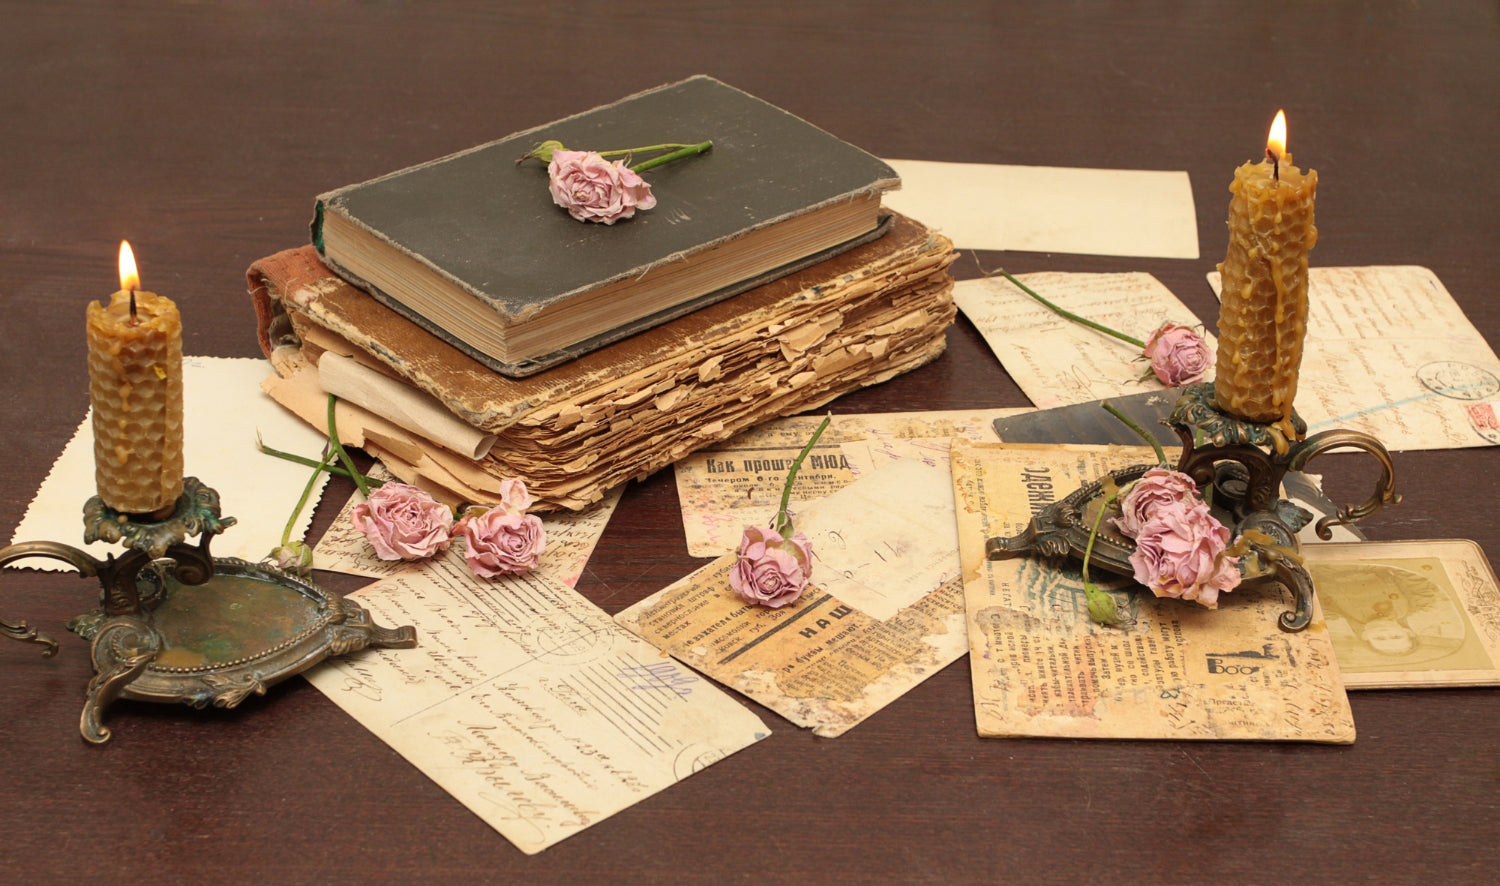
1161	456
320	467
1061	312
675	155
782	521
333	439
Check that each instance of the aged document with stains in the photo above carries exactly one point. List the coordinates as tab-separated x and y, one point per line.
884	610
527	704
571	538
1410	613
1057	361
738	483
1390	353
1041	667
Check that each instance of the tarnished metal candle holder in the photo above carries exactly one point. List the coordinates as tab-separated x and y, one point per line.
1243	463
176	624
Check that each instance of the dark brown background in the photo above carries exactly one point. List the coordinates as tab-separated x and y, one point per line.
202	132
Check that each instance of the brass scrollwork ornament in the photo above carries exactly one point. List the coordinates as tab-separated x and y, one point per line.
176	624
1243	463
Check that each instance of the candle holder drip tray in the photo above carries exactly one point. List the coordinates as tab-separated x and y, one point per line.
176	624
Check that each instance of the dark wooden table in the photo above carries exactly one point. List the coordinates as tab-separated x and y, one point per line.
202	132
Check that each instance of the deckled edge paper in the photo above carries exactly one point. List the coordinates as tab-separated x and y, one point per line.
224	410
1125	212
527	704
1041	667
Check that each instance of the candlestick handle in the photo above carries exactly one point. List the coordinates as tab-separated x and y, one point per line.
20	631
86	565
1385	488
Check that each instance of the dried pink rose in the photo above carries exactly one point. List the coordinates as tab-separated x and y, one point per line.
1155	488
594	189
403	523
1180	553
501	542
1178	355
771	570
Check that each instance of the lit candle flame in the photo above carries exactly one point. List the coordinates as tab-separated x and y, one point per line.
1276	141
130	280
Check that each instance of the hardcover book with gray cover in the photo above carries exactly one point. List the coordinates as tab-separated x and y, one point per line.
472	247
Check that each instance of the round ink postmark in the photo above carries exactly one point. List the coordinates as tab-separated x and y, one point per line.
1458	381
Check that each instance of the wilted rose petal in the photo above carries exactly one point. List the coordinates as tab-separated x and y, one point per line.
1180	553
1155	488
403	523
593	189
771	570
1178	355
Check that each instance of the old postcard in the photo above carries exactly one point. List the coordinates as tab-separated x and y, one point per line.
571	537
738	483
527	704
1041	667
1390	353
884	610
1051	208
1409	613
1057	361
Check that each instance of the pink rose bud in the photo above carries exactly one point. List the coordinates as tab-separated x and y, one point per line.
593	189
771	570
403	523
293	557
1178	355
1180	553
514	496
1155	488
498	542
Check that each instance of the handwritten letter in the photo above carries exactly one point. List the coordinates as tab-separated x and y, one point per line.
528	704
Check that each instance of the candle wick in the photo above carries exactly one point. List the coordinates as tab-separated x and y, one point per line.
1275	164
132	306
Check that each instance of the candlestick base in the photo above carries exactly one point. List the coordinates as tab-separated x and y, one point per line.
1243	464
176	624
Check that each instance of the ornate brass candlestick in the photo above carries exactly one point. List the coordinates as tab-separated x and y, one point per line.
1243	462
176	624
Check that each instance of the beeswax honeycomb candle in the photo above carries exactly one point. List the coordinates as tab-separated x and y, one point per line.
135	388
1263	307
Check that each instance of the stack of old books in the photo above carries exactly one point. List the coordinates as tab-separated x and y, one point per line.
474	331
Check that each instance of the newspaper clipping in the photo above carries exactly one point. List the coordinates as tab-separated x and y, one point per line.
1042	667
883	613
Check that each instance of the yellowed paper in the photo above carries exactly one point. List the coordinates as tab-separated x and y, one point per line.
1057	361
1410	613
223	412
527	704
1041	667
448	476
401	404
1051	209
884	610
1391	354
737	483
571	537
